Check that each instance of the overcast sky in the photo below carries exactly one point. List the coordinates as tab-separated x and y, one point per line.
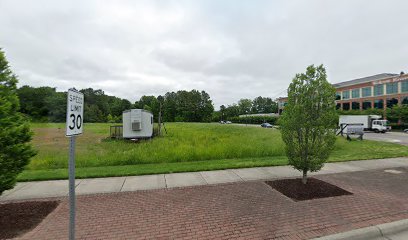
231	49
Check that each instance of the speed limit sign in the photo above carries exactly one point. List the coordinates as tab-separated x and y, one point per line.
75	112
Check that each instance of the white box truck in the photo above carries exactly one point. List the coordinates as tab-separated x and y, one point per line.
370	122
137	123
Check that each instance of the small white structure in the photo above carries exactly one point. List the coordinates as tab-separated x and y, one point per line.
137	123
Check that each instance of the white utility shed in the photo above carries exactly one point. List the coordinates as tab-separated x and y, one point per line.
137	123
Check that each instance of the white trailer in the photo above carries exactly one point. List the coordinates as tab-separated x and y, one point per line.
369	122
137	123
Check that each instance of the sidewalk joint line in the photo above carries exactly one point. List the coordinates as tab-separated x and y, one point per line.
206	183
232	170
382	234
123	184
165	181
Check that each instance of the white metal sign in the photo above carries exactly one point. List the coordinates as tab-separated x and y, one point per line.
75	112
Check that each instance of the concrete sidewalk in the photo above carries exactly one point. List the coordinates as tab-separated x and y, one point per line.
240	210
59	188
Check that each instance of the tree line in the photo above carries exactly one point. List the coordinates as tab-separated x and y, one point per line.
45	104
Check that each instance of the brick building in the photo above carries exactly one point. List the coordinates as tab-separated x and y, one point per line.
380	91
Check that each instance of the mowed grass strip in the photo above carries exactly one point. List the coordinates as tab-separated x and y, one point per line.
144	169
186	147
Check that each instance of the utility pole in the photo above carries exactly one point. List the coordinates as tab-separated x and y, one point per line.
160	112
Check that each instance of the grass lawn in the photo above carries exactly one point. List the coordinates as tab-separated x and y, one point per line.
186	147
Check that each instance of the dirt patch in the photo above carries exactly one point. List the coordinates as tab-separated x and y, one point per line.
19	218
315	188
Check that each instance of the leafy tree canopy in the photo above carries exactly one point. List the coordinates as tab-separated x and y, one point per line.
309	120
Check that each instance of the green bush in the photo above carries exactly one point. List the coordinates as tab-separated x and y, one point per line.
15	134
396	126
254	120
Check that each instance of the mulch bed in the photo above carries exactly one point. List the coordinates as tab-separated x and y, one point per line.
314	188
18	218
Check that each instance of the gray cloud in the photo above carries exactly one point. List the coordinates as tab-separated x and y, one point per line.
231	49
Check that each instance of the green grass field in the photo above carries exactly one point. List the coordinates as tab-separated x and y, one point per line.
186	147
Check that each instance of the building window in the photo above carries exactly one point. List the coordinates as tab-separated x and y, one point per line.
366	92
346	94
392	88
355	93
338	106
346	106
355	105
366	105
379	90
405	101
379	104
404	86
391	102
338	96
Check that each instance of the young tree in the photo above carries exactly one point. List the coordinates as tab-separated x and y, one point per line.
309	120
15	134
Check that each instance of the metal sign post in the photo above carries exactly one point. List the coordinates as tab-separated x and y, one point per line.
75	113
72	188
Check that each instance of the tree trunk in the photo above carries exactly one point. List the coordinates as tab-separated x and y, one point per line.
304	179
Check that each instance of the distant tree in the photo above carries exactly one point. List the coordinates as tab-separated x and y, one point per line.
149	103
263	105
56	105
33	101
206	107
258	105
15	150
398	113
170	107
309	120
270	106
97	102
244	106
92	113
110	119
232	111
222	112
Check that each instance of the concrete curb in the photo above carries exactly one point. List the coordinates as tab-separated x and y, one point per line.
372	232
393	227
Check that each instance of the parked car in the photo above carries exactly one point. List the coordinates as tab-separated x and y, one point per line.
228	122
406	130
222	122
266	125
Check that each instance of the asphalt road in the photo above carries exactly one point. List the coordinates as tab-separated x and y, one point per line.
394	137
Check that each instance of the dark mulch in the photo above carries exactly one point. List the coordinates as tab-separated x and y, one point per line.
18	218
314	188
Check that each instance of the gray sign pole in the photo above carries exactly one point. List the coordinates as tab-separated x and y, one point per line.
75	113
72	188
